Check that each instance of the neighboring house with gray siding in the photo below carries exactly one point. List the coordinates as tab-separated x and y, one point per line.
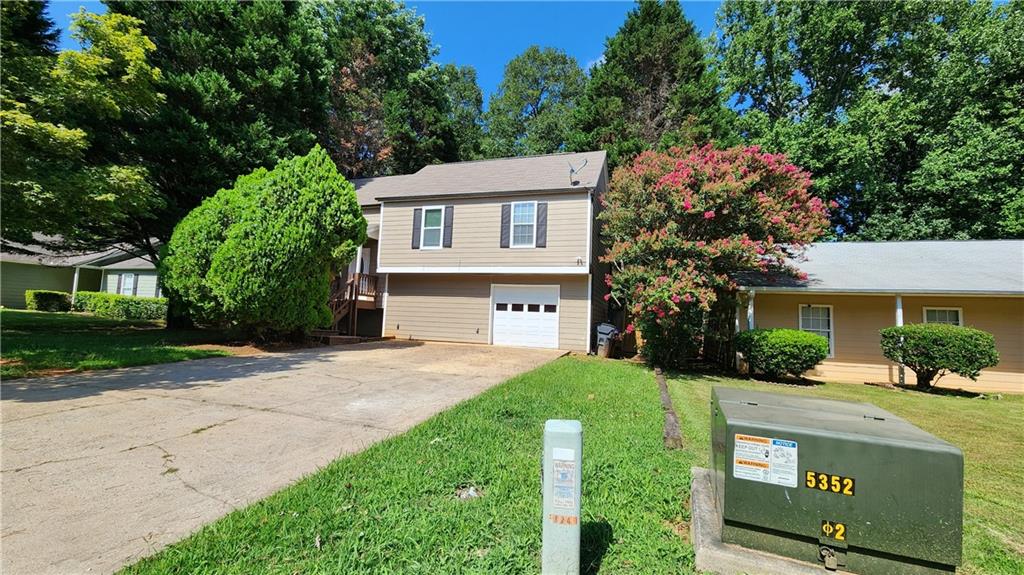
37	267
500	252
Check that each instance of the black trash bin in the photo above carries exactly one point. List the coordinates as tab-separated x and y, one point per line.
607	334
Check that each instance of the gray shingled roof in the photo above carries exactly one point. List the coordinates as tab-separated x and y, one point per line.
44	254
548	173
963	267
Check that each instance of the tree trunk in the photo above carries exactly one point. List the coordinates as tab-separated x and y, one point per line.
925	378
178	316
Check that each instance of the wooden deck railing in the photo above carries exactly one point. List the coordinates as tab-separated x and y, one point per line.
346	293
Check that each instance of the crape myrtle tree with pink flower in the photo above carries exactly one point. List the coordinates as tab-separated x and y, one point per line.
681	223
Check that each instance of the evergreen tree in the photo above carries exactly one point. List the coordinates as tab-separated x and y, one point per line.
653	88
246	86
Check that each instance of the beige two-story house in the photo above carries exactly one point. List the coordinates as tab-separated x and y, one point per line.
501	252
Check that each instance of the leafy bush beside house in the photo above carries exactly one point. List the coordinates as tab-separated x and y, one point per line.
777	352
117	306
932	350
260	254
46	300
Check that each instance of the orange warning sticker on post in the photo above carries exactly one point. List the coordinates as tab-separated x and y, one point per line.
564	519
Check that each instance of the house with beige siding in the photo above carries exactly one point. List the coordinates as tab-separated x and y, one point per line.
855	289
500	252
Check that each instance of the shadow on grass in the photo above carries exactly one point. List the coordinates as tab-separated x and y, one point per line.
595	538
182	375
945	391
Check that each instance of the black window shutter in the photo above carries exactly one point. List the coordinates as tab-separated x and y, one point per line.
506	224
542	225
417	220
449	211
118	284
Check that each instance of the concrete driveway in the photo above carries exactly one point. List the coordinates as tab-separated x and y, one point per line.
101	469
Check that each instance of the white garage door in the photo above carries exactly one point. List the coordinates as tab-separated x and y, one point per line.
525	316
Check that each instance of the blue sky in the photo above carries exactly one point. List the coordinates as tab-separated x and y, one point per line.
486	35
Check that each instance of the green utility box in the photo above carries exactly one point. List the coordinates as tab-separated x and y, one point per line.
843	484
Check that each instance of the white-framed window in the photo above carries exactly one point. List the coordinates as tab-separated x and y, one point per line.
950	315
524	224
818	319
127	284
432	227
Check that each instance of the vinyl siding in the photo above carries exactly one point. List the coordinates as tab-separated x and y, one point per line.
458	307
476	231
16	278
147	281
858	319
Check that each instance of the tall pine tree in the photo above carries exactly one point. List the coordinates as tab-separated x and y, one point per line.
653	88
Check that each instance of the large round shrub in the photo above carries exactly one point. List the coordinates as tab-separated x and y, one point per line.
932	350
777	352
260	255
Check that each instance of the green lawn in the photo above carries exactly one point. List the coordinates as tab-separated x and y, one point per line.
34	343
393	508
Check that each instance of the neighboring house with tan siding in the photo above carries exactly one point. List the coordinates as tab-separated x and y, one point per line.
494	252
39	267
855	289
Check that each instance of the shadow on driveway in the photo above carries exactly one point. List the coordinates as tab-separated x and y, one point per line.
178	375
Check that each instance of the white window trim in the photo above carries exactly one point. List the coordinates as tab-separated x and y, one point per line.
124	275
959	313
423	228
831	325
512	227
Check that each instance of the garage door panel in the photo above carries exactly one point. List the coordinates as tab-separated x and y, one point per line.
525	316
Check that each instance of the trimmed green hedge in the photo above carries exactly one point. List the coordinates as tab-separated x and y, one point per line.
46	300
934	349
117	306
776	352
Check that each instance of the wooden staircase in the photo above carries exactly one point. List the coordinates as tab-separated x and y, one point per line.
348	295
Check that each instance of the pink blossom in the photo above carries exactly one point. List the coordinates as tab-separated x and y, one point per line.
675	298
607	296
629	328
687	298
687	205
709	214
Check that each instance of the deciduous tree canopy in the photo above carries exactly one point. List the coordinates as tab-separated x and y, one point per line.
909	115
67	151
531	111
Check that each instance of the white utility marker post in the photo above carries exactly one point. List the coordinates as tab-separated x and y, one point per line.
563	462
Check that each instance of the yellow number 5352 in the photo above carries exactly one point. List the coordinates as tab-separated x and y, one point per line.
829	482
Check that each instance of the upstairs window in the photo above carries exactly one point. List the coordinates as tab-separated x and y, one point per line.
433	222
524	224
950	315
